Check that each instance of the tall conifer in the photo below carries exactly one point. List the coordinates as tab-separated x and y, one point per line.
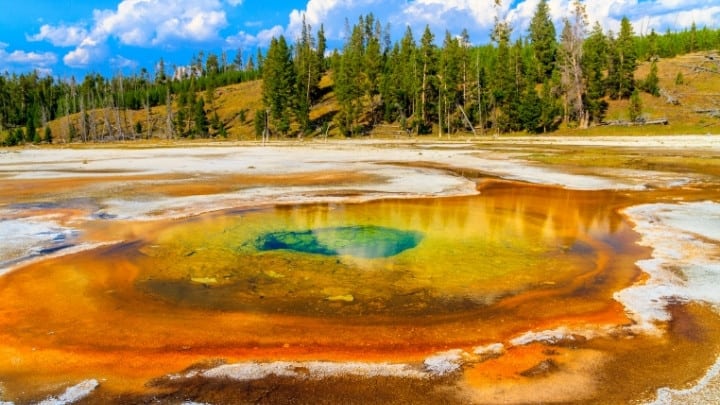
543	40
623	62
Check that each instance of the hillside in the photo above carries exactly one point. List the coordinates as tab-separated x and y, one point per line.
699	91
697	111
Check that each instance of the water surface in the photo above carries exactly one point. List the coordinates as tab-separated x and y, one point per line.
385	281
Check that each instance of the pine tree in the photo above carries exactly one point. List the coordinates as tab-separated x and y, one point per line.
320	51
259	122
692	38
238	63
531	110
372	63
212	65
279	84
450	79
350	80
389	85
19	137
160	75
504	86
635	108
651	84
403	85
72	133
427	64
679	79
550	108
48	138
543	39
31	134
623	62
260	61
250	65
594	64
483	99
653	51
309	72
200	118
465	63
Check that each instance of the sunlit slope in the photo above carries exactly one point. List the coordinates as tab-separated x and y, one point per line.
690	102
691	80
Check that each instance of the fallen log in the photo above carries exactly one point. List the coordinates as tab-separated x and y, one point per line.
638	122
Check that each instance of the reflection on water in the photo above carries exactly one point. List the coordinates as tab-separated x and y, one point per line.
394	280
303	259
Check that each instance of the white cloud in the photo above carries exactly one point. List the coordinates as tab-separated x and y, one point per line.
81	57
157	22
146	23
61	35
262	39
316	12
478	16
175	23
120	62
30	58
333	13
39	61
450	13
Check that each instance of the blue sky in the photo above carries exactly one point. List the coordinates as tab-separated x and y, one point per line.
74	37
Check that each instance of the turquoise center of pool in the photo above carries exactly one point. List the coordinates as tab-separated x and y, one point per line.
363	241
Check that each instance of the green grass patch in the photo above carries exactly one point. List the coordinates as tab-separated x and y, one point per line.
670	161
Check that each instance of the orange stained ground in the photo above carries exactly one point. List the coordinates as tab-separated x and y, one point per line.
515	259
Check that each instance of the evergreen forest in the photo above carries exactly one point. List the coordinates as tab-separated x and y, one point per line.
535	81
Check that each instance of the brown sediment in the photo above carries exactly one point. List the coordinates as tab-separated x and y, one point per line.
639	366
284	390
528	375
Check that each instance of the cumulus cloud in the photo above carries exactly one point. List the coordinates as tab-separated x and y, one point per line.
31	58
39	61
478	16
174	23
262	39
315	13
142	23
644	15
156	22
61	35
120	62
333	13
450	13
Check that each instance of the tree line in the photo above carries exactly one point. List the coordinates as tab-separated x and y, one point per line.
536	82
28	102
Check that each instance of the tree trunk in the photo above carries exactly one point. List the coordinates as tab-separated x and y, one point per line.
168	116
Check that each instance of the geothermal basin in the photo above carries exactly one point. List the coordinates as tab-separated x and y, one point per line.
362	272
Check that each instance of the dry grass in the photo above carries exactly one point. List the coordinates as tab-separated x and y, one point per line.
700	90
